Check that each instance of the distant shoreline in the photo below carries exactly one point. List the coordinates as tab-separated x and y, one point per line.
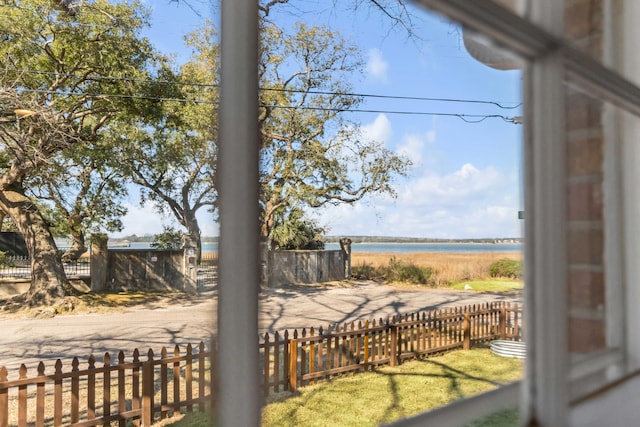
437	243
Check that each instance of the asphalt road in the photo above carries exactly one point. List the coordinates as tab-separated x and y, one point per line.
30	341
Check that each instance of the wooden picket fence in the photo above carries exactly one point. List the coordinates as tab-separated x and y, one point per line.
138	391
301	358
141	392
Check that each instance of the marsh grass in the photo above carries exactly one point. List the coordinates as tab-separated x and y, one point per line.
446	268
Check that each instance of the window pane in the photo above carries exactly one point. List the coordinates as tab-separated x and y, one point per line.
417	99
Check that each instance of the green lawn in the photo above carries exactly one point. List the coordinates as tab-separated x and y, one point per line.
494	285
389	394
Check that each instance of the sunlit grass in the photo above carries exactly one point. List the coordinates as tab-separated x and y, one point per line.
506	418
195	419
124	298
389	394
489	285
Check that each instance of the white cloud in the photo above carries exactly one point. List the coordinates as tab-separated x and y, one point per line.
377	66
378	130
413	145
466	203
462	187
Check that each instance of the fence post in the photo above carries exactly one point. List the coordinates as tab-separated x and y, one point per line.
393	330
466	326
502	327
57	394
147	391
4	399
39	396
345	247
75	391
22	397
293	365
99	266
266	369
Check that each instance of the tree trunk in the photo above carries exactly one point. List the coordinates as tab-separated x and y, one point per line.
48	279
268	221
77	248
193	229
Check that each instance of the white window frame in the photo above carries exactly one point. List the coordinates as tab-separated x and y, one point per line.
538	39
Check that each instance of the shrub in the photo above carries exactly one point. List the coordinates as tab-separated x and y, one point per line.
5	260
364	271
509	268
398	271
170	238
395	271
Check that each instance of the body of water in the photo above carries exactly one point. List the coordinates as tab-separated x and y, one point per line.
432	247
394	247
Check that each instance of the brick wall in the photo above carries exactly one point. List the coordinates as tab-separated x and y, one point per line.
585	140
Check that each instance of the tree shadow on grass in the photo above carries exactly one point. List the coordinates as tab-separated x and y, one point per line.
441	385
103	302
453	375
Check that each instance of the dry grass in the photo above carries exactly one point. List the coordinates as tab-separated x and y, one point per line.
448	267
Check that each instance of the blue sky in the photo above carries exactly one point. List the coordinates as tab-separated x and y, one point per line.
466	179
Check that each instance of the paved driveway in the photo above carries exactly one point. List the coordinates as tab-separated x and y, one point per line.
32	340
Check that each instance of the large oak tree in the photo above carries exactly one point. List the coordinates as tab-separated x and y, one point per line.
67	72
311	156
173	159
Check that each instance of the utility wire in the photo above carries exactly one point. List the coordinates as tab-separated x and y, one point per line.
315	92
469	118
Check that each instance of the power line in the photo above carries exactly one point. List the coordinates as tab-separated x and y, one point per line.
469	118
315	92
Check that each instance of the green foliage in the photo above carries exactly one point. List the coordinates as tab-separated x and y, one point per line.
173	157
364	271
72	76
296	232
508	268
5	260
170	238
313	157
396	271
399	271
